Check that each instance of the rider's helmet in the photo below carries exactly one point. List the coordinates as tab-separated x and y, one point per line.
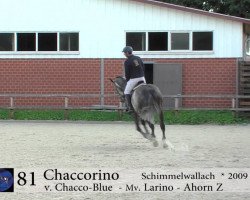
127	49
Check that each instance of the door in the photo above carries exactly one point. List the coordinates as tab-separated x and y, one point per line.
168	77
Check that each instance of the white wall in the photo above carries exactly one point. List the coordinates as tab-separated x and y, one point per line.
102	25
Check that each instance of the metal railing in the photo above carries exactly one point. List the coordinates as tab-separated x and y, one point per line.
66	107
234	101
66	98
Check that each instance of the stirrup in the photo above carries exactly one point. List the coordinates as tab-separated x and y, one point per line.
129	111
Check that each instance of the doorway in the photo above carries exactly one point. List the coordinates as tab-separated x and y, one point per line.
149	72
166	76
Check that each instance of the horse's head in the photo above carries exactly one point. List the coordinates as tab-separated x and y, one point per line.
120	84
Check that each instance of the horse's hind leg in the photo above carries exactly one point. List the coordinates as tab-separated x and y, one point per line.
138	128
137	124
162	125
152	127
136	118
143	122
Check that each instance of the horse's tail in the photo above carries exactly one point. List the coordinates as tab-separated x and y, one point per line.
156	106
157	100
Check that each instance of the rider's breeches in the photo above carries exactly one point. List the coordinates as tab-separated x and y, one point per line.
132	83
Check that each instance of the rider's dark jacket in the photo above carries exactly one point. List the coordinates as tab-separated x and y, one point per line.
134	67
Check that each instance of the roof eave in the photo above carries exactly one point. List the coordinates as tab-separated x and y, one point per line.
196	11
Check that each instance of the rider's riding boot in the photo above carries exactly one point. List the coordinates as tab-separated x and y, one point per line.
128	103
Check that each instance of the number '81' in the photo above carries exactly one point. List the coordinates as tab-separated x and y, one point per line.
22	179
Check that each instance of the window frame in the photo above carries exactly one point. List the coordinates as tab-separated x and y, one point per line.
146	39
40	37
59	39
37	52
14	41
179	50
203	50
246	45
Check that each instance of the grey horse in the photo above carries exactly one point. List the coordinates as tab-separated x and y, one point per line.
147	102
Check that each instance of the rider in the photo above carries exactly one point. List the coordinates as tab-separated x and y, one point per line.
134	73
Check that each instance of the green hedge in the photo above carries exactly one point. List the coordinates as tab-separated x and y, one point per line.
171	117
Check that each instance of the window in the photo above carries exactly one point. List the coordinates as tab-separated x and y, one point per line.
26	41
47	41
136	40
69	41
39	42
187	41
6	41
179	41
202	41
157	41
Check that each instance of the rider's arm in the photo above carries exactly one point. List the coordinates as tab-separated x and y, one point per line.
127	71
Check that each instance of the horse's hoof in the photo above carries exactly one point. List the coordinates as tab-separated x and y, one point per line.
155	143
168	145
149	136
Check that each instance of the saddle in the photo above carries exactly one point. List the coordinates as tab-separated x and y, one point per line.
140	83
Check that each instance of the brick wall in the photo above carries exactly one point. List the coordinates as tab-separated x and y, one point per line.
49	76
209	77
78	76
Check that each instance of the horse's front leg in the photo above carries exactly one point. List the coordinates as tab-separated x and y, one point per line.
166	143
